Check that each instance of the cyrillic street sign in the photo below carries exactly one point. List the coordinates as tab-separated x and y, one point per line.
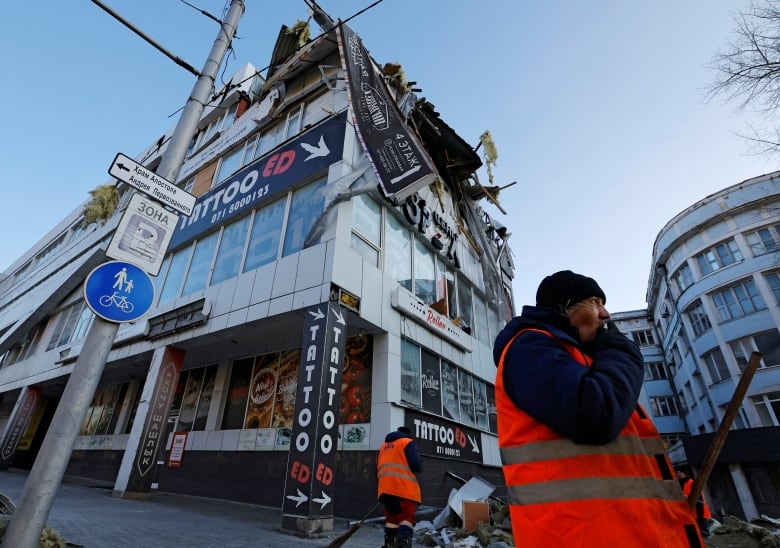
118	291
143	234
144	179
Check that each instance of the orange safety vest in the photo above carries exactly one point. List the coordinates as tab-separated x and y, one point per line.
561	493
686	489
393	473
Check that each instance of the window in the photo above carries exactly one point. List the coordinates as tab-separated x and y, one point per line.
643	338
723	254
103	412
683	277
769	345
716	365
764	240
231	249
768	408
202	257
410	374
700	323
738	300
172	285
424	273
465	313
741	349
773	279
366	227
72	325
663	406
235	160
656	371
306	208
398	252
192	402
265	236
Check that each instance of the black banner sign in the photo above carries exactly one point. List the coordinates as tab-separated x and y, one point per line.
20	421
309	486
399	161
156	420
436	437
265	179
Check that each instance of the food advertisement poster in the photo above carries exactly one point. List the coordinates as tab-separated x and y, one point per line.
286	386
354	437
356	381
189	402
262	389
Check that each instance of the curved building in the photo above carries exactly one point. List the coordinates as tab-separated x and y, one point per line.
714	298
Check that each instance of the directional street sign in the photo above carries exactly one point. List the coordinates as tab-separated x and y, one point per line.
143	234
144	179
118	291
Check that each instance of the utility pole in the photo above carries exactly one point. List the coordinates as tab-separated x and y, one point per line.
46	475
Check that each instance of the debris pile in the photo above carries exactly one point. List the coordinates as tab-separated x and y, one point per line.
763	532
472	518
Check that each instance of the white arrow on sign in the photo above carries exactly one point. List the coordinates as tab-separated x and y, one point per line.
299	499
144	179
318	315
323	501
474	445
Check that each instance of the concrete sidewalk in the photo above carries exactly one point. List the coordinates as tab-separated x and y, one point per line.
86	514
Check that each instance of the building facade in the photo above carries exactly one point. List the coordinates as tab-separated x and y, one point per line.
292	219
713	299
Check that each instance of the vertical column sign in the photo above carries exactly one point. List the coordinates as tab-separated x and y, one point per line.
309	485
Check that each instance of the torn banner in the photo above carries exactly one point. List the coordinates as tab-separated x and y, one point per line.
399	160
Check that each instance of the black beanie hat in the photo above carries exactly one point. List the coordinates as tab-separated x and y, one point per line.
405	429
565	288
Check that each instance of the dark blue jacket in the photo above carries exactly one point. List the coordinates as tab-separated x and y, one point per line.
588	405
410	451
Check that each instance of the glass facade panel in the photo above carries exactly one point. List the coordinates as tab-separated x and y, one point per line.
202	257
769	345
307	206
410	374
231	249
175	275
367	218
398	252
424	273
265	236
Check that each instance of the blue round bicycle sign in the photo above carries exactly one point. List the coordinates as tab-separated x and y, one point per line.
118	291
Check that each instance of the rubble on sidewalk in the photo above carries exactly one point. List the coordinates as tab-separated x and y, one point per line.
762	532
449	528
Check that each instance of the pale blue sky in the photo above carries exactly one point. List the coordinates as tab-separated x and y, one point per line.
597	110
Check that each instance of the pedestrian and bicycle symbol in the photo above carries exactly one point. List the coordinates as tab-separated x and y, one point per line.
118	291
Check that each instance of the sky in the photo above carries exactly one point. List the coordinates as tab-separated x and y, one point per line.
598	110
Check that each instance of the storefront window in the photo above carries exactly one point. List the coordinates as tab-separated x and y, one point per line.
103	411
237	394
265	236
308	204
200	265
410	373
231	249
465	384
431	383
449	391
398	252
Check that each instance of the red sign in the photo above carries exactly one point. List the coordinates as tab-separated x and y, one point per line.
177	449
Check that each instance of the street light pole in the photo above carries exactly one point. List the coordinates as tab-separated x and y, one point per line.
46	475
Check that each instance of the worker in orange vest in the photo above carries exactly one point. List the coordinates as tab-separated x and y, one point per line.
703	514
583	463
397	486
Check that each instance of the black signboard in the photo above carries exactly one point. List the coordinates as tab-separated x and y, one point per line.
265	179
400	162
309	487
140	479
19	422
437	437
